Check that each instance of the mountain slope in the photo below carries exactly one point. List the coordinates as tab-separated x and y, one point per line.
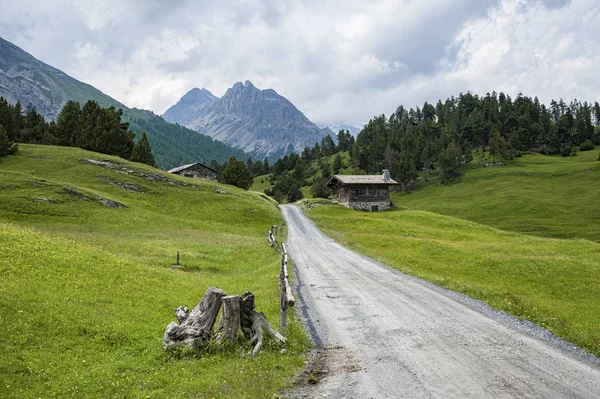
260	122
192	103
26	79
178	145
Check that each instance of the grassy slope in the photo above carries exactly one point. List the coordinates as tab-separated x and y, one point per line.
86	290
547	196
262	182
555	283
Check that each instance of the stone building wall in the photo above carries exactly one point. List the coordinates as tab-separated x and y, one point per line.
364	198
371	206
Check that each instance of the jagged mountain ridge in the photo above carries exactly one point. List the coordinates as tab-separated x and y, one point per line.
260	122
28	80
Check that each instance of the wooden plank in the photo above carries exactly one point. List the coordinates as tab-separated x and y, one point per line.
288	294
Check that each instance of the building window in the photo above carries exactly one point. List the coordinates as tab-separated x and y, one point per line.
188	175
359	191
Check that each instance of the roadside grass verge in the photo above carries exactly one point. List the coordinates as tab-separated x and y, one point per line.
87	291
554	283
548	196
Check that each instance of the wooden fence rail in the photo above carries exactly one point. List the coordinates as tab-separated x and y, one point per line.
286	295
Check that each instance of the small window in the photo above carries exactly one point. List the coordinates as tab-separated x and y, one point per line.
188	175
375	208
359	191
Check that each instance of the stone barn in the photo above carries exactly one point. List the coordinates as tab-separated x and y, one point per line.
362	192
197	171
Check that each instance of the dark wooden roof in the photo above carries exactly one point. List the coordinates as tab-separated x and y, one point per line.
184	167
366	180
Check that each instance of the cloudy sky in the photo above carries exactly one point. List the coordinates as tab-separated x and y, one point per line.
337	61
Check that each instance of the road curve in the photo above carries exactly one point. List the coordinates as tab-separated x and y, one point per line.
395	336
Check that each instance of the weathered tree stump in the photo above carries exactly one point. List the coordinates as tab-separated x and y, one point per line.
229	323
195	328
182	313
254	324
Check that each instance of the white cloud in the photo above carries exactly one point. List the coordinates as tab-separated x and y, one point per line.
335	60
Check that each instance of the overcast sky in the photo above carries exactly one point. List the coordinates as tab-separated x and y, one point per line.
337	61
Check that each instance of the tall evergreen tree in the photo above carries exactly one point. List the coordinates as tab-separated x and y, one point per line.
237	174
142	152
67	123
337	164
6	146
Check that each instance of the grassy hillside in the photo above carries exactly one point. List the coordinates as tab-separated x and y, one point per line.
549	196
554	283
86	289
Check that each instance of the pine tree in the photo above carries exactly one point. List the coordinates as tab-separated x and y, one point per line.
6	146
337	163
237	174
67	123
142	152
294	194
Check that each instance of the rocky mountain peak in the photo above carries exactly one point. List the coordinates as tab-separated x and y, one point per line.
260	122
190	104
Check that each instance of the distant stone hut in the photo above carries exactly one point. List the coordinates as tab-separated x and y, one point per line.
197	171
362	192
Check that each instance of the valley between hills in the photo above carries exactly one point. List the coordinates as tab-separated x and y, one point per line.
496	200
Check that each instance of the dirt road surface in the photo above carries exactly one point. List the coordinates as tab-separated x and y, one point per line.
389	335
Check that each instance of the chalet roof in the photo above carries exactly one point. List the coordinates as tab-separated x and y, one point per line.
180	168
373	180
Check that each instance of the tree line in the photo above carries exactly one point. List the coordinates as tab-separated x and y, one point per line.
89	127
491	128
437	141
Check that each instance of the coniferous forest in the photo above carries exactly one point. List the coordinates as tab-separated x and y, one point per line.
90	127
440	140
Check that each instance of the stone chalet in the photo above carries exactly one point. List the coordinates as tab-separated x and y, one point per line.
362	192
196	171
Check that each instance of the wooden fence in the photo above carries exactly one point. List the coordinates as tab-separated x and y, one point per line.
286	298
285	291
271	236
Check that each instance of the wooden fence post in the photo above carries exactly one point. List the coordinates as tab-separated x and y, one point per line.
286	297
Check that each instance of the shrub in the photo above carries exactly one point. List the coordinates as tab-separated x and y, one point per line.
568	149
318	190
294	194
586	146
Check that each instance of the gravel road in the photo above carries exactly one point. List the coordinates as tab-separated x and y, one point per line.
389	335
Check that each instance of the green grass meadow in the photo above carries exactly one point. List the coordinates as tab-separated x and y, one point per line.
86	291
522	238
548	196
